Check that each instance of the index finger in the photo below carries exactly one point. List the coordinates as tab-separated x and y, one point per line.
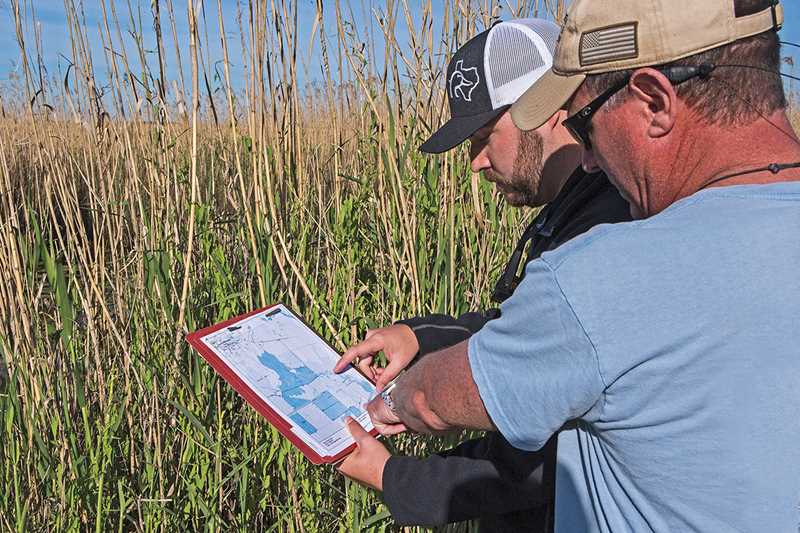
363	348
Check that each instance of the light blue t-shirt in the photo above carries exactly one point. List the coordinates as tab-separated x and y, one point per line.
672	347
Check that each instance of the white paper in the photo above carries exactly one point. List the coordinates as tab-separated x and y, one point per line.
290	368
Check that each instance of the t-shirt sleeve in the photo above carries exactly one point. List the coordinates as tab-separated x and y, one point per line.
535	366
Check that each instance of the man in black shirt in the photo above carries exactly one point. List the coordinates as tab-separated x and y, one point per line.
507	489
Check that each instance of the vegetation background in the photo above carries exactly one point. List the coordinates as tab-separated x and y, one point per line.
136	206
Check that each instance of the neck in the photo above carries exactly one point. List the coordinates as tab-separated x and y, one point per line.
556	170
708	153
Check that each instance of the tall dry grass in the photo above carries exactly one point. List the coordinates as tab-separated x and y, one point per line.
136	207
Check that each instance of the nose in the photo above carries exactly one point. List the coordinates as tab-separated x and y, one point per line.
479	161
589	161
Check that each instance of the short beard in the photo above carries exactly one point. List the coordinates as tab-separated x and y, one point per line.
522	187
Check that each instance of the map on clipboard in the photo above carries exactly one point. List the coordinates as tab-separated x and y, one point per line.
285	371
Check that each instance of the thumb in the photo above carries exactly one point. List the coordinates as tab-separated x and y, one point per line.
383	379
356	431
391	371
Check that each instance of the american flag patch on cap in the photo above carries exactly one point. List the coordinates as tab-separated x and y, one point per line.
609	44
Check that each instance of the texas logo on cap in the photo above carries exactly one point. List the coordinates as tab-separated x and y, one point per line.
463	81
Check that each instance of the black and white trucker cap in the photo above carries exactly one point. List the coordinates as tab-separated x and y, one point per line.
490	73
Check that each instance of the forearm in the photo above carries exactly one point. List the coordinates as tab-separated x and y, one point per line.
439	394
437	331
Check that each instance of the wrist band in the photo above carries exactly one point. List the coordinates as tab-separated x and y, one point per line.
387	399
386	395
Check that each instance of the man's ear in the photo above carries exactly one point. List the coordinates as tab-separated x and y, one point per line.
660	100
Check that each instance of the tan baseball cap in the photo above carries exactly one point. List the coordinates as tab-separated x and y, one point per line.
609	35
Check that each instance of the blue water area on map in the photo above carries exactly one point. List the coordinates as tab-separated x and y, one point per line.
291	383
303	423
366	386
329	405
292	380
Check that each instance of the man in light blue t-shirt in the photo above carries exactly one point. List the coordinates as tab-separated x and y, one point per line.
666	350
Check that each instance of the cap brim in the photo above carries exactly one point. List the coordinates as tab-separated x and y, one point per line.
543	99
457	130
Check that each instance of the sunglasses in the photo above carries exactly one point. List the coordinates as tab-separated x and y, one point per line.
580	124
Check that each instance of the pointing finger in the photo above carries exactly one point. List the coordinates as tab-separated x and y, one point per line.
347	358
363	348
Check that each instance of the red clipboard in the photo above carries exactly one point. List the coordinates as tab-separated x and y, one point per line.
276	419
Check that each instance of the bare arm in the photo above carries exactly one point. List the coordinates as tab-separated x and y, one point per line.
438	394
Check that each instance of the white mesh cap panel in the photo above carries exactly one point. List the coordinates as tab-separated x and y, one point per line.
513	55
517	54
548	31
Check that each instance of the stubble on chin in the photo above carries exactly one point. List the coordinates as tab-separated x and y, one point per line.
516	198
512	194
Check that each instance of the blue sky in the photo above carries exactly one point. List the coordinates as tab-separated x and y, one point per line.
56	41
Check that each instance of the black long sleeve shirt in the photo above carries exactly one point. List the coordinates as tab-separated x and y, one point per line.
506	488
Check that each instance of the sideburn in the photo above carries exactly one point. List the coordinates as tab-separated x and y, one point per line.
528	165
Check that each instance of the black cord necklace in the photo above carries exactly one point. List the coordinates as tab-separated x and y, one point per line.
775	168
